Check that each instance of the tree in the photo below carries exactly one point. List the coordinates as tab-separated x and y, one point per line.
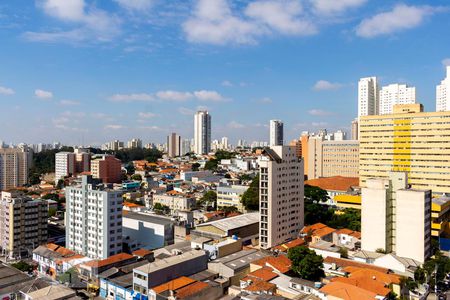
228	209
344	252
306	263
130	168
420	275
137	177
250	199
211	164
60	184
195	166
51	196
316	194
161	208
52	212
23	266
209	199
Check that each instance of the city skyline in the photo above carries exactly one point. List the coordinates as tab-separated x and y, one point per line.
145	70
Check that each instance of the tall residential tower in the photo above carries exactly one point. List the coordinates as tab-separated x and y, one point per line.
276	133
443	93
368	96
202	132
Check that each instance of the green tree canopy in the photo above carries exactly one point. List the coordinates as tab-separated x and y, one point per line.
23	266
195	167
250	199
209	199
137	177
316	194
306	263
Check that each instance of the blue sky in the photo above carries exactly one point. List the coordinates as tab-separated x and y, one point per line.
92	71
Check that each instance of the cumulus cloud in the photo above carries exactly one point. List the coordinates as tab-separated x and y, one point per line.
89	23
319	124
324	85
330	7
131	97
205	95
67	102
146	115
214	22
227	83
137	5
174	95
235	125
400	18
186	111
445	62
41	94
6	91
266	100
319	112
114	127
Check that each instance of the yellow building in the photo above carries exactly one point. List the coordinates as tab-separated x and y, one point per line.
408	140
440	214
348	201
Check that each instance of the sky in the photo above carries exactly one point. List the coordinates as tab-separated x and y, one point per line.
90	71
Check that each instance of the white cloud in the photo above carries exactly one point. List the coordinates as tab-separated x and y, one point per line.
227	83
174	95
114	127
205	95
186	111
91	24
401	17
330	7
131	97
266	100
319	124
235	125
138	5
152	128
41	94
283	16
319	112
323	85
146	115
67	102
6	91
445	62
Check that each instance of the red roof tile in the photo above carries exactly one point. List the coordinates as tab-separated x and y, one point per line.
336	183
191	289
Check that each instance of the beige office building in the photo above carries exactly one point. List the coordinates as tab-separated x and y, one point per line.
14	166
281	202
332	158
409	140
396	219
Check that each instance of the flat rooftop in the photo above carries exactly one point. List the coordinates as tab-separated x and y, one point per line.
233	222
169	261
148	218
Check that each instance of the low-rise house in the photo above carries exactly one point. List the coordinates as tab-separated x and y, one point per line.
336	266
317	232
90	270
279	264
325	249
335	186
186	288
347	238
14	283
400	265
289	245
344	291
51	292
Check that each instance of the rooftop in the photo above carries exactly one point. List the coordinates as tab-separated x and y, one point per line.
240	259
109	261
148	218
342	263
336	183
281	263
173	284
169	261
265	273
191	289
347	291
233	222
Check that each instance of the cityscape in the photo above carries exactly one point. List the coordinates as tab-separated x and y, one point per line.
129	179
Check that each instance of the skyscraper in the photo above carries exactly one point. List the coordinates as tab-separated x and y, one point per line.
65	165
14	166
368	96
281	202
276	133
393	94
202	132
443	93
173	145
355	129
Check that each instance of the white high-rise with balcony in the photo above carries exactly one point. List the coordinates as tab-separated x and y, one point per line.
443	93
395	94
368	96
93	219
202	132
276	133
65	165
281	201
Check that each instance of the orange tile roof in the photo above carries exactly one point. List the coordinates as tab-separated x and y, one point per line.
323	231
387	279
346	291
292	244
173	284
129	204
108	261
64	251
52	246
281	263
260	285
142	252
173	192
168	171
336	183
191	289
365	283
347	231
340	262
265	273
313	227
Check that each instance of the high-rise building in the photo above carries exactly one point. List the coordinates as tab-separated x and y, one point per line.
107	168
340	135
355	129
408	140
368	96
395	218
202	132
186	146
395	94
23	223
65	165
276	133
14	166
134	143
281	201
173	145
224	143
298	147
443	93
93	219
82	160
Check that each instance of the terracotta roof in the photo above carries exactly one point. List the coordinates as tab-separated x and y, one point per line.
52	246
313	227
346	291
108	261
281	263
292	244
365	283
142	252
347	231
173	284
343	263
191	289
129	204
323	231
173	192
168	171
387	279
336	183
260	285
265	273
64	251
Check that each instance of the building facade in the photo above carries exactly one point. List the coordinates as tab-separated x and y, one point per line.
174	202
443	93
368	90
409	140
394	94
231	196
276	133
173	145
107	168
93	219
65	165
23	224
134	143
14	166
281	199
355	129
202	132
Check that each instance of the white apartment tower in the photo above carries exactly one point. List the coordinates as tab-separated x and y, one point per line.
173	145
65	165
134	143
395	94
281	197
368	96
443	93
202	132
395	218
93	219
276	133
